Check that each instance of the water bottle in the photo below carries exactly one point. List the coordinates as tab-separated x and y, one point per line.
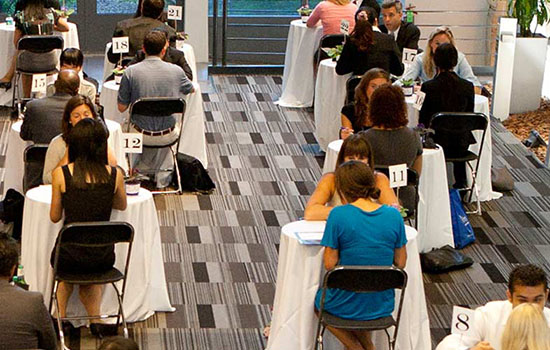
9	21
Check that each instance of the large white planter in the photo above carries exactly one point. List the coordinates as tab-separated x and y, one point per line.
529	62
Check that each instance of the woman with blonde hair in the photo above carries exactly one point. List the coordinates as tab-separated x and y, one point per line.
330	13
354	116
423	66
526	329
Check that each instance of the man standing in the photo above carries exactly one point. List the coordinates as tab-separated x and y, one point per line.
154	78
136	28
42	120
405	34
24	321
526	284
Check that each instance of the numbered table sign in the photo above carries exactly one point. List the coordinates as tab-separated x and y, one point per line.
132	142
419	101
344	26
175	12
398	175
462	322
408	55
39	83
121	45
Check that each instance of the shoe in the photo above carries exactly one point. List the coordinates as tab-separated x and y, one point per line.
101	330
66	325
5	85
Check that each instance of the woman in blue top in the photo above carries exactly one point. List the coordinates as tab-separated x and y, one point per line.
360	232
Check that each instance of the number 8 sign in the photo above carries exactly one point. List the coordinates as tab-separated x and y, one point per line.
462	321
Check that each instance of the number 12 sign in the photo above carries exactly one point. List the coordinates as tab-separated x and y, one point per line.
132	142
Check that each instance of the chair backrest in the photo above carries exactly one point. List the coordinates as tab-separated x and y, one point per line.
458	123
363	279
157	106
34	157
40	43
96	233
331	40
351	84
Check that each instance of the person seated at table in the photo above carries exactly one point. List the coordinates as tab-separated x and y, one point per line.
163	16
172	54
78	108
354	116
391	140
405	34
330	13
526	284
154	78
360	232
20	4
366	49
72	58
373	4
448	92
34	19
526	328
325	197
85	190
42	119
137	28
25	323
424	67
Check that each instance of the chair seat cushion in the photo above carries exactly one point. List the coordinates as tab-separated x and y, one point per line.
379	323
108	276
466	157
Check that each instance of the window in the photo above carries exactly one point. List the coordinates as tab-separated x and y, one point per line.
261	7
8	6
122	6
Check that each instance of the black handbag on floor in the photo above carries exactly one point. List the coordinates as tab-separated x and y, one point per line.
194	177
444	259
12	211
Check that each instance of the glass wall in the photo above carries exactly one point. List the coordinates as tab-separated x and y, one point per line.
261	7
8	6
105	7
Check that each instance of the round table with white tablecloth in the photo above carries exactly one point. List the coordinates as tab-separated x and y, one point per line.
15	165
434	211
330	95
7	50
298	77
146	290
299	274
193	139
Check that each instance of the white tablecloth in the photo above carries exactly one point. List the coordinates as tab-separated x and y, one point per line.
294	323
15	165
330	95
298	79
146	290
434	211
193	139
7	50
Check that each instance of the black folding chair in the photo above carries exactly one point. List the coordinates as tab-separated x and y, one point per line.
35	44
362	279
326	42
454	129
34	158
351	84
95	234
413	181
158	107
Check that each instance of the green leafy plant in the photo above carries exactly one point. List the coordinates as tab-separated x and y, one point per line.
182	36
118	71
334	52
407	82
304	11
64	12
525	11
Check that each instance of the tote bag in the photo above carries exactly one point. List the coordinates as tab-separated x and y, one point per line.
463	233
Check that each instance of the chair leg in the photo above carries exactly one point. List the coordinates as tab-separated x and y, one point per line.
58	314
391	343
178	175
473	188
120	314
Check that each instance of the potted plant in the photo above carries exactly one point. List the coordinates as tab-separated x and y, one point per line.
133	182
64	12
530	54
407	87
304	12
118	72
334	52
180	40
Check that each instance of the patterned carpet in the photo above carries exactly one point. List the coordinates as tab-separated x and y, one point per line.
220	250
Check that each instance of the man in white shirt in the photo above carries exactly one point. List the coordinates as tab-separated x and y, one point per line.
527	284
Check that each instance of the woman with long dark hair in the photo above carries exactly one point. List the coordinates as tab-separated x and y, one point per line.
360	232
34	19
368	49
84	190
78	108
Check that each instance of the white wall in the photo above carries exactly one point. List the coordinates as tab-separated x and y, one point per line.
196	25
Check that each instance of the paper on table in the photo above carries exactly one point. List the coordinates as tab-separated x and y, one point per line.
309	238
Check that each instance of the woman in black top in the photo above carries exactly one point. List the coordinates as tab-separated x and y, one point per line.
368	49
86	189
355	115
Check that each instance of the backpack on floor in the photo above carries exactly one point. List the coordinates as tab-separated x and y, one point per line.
194	177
